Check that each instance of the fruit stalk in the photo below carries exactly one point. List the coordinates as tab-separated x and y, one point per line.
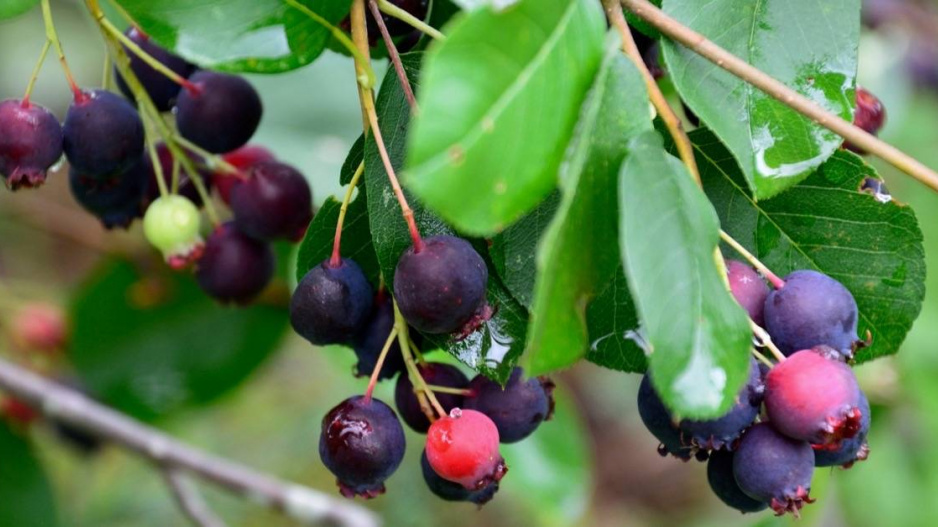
336	257
395	56
35	75
766	341
417	379
189	500
373	381
143	55
53	37
773	278
392	10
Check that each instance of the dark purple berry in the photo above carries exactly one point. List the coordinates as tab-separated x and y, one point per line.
234	267
273	203
161	89
877	188
723	483
221	114
103	134
518	409
774	469
30	143
870	116
722	432
362	443
851	450
369	342
812	309
187	188
434	373
331	304
748	288
441	287
243	159
451	491
399	28
117	200
660	423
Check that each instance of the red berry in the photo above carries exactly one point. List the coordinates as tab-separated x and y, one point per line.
243	159
463	447
30	143
870	116
17	411
39	327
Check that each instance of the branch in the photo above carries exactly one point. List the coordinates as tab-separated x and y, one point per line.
189	500
740	68
393	54
62	404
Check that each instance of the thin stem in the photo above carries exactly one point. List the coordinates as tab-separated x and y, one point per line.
107	74
143	55
396	12
394	55
360	58
766	340
53	37
446	389
175	184
417	353
360	39
776	282
762	358
155	159
35	75
126	16
415	377
189	500
62	404
373	381
700	45
336	258
214	160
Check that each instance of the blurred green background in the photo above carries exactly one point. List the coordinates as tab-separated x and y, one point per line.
594	465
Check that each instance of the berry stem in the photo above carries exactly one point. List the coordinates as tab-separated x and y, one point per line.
447	389
214	160
776	282
700	45
53	37
373	381
107	76
35	75
394	55
392	10
155	159
175	180
336	257
762	358
403	337
766	341
126	16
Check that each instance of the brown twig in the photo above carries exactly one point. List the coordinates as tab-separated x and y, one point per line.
189	500
394	55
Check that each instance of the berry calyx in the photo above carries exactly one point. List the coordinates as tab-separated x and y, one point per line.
221	115
433	373
30	143
103	134
234	268
748	288
362	443
724	431
117	200
171	224
39	327
814	396
774	469
441	288
518	409
161	89
723	484
450	491
850	450
462	447
331	304
274	202
870	116
369	342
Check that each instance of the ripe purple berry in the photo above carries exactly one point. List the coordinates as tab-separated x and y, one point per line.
451	491
234	268
30	143
362	443
331	304
812	309
518	409
103	134
273	203
220	114
116	201
722	432
658	420
748	288
723	483
161	89
851	450
774	469
440	288
369	342
434	373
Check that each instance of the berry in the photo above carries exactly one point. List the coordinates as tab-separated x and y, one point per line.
234	267
171	224
221	114
813	396
186	187
399	28
103	134
161	89
851	450
273	202
810	310
434	373
658	420
723	431
362	443
116	201
441	287
748	288
449	491
243	159
518	409
30	143
462	447
39	327
869	116
723	483
16	411
369	342
331	304
774	469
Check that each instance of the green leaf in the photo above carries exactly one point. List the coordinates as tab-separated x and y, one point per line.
699	337
25	491
354	158
264	36
149	343
498	103
810	45
492	350
614	328
12	8
574	260
825	223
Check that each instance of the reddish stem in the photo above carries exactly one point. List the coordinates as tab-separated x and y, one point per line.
373	381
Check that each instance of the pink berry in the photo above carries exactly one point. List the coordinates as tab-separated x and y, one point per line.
463	448
39	327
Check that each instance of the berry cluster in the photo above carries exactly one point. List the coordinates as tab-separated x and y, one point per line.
815	414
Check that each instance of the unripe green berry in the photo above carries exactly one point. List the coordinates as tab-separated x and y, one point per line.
171	224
